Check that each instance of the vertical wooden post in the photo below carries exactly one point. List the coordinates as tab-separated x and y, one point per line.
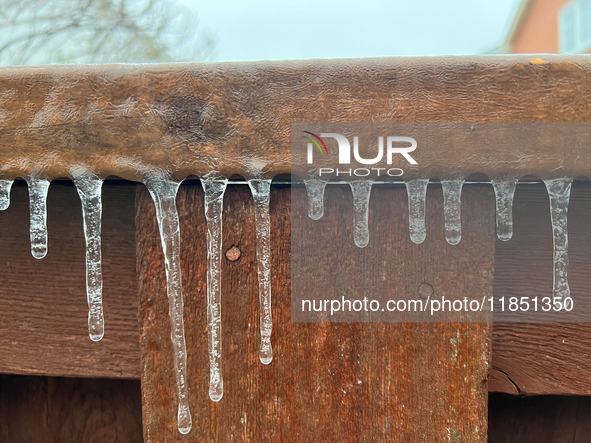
345	382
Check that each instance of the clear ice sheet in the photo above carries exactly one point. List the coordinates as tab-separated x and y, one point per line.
504	194
89	190
163	192
315	190
416	189
559	195
38	188
214	205
452	209
5	186
261	192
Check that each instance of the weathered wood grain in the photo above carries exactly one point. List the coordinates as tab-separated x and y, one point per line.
58	410
129	120
43	304
333	382
544	358
543	419
43	307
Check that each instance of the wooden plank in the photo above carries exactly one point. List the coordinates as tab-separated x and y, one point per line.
43	325
544	419
130	120
56	410
333	382
43	308
543	358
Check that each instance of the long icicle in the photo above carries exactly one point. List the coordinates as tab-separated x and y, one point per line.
504	193
261	191
89	190
38	188
5	185
163	192
214	204
452	209
315	189
416	189
361	190
559	195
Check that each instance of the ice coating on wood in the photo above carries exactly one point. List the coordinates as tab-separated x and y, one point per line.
5	186
504	193
163	192
89	189
452	209
315	189
38	188
261	192
416	189
559	195
214	205
361	190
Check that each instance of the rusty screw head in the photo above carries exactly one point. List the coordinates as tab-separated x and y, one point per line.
233	253
425	290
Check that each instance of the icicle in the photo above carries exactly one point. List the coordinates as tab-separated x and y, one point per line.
214	204
361	190
89	190
559	194
417	193
315	190
261	190
452	209
38	212
5	185
504	193
163	191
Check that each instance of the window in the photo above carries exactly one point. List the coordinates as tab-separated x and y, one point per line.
574	27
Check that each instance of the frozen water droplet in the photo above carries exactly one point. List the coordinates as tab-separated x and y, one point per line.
504	193
417	194
89	190
163	192
5	185
361	190
559	195
184	422
266	352
452	209
261	192
214	205
38	188
315	189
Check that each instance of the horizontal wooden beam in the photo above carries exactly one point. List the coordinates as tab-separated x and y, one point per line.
234	118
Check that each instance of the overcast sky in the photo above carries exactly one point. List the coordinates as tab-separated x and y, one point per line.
296	29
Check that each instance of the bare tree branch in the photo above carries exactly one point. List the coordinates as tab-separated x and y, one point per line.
100	31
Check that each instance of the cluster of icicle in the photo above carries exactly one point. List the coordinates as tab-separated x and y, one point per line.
164	190
558	192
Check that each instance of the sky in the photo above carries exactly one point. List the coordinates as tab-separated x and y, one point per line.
302	29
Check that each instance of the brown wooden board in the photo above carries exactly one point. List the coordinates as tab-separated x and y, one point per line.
543	358
327	382
129	120
44	331
539	419
63	410
43	308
